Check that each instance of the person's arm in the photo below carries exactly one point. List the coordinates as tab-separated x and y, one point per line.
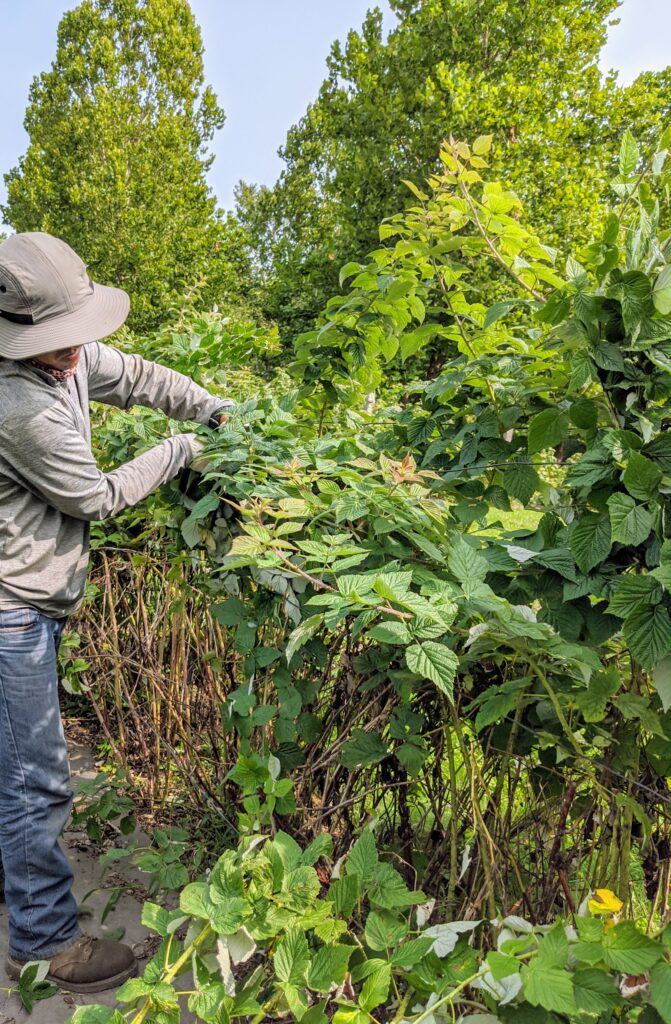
116	378
53	460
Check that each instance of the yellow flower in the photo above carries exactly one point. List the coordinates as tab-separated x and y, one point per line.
604	902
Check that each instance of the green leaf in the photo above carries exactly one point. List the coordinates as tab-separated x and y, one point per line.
660	990
302	634
376	988
384	930
661	680
548	429
584	413
388	890
590	540
328	967
595	991
661	293
627	949
411	953
553	947
648	635
292	957
482	144
634	594
642	477
629	155
362	859
155	917
549	987
630	523
97	1015
435	662
391	631
393	586
520	481
464	562
193	900
363	749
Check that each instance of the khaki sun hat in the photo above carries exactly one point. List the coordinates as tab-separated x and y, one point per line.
47	299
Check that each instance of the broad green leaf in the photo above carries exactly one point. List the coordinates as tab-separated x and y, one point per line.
364	748
549	987
464	562
521	481
388	890
292	957
391	631
362	859
482	144
661	294
648	635
375	989
193	900
595	991
661	680
435	662
629	155
630	523
548	429
553	947
328	967
302	634
642	477
660	990
393	586
627	949
635	593
384	930
155	917
590	540
97	1015
411	953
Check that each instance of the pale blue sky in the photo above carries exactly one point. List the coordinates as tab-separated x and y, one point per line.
266	60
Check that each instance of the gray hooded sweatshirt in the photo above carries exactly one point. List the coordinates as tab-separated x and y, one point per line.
50	485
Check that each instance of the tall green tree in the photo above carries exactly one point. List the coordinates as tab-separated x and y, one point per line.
119	130
526	73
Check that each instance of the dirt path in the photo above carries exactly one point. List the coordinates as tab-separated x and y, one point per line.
87	876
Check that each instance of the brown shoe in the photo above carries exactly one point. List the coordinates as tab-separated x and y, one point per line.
89	965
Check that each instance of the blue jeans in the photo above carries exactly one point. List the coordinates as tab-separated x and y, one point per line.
35	795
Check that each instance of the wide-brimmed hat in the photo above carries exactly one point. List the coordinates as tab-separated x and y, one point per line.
47	299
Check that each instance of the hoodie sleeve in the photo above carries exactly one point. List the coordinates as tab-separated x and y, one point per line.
52	459
123	380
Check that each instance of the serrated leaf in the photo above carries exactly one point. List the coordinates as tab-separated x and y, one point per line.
390	632
328	967
627	949
362	858
648	635
546	430
549	987
301	634
661	294
435	662
629	155
375	989
363	749
660	990
590	540
630	523
464	562
595	991
521	481
292	957
634	594
661	680
641	477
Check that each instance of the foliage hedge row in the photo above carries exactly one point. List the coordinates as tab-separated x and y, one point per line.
493	701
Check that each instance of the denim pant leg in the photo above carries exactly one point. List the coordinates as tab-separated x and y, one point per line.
35	796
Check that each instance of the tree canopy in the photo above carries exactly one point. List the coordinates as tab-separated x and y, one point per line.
526	73
119	129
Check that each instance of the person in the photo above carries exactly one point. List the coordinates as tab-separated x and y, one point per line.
52	362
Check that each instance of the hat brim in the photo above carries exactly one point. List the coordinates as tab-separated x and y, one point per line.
103	314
